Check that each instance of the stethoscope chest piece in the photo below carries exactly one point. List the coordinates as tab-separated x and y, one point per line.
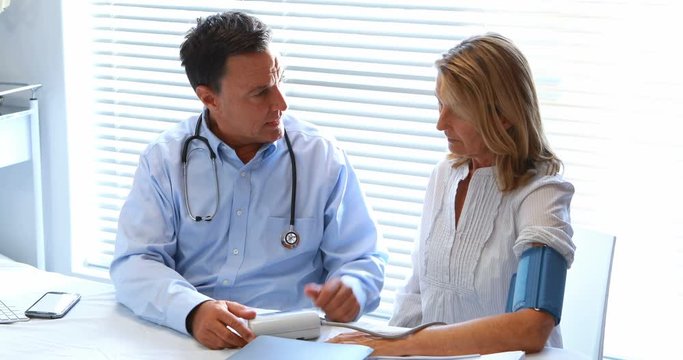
290	239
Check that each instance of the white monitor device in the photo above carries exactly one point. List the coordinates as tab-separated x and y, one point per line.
294	325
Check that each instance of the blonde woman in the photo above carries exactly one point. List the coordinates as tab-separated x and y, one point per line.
497	196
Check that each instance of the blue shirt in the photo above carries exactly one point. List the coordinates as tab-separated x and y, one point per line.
165	263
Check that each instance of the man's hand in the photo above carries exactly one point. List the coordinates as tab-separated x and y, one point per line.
219	324
335	299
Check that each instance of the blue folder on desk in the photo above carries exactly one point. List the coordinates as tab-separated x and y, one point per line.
266	347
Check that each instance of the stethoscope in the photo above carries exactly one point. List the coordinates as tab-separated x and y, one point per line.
290	239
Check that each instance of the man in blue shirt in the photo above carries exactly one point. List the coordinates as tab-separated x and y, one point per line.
200	237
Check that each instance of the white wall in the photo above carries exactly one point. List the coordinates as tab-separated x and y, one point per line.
31	52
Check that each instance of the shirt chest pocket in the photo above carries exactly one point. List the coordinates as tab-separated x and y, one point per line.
310	231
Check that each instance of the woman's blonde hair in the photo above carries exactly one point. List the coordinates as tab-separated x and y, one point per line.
488	80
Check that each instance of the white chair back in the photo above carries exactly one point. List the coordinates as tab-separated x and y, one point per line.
586	292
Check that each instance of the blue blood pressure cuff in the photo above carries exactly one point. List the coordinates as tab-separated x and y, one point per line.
539	282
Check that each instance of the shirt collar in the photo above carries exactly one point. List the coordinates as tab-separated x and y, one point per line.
216	143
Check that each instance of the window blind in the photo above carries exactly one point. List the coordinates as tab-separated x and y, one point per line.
364	71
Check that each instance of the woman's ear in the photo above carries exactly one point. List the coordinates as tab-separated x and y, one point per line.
207	96
506	124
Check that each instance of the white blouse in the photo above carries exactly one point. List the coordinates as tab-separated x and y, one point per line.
463	272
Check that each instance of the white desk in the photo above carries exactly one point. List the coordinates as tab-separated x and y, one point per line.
99	328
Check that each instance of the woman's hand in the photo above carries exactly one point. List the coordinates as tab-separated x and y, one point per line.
379	345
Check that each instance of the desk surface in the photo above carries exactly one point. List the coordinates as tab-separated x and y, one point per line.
99	328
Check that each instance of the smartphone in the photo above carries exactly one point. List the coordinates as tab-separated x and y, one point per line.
53	305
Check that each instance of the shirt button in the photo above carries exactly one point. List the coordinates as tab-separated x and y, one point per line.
239	212
243	174
226	282
235	251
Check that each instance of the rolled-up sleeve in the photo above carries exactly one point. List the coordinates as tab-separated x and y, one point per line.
543	217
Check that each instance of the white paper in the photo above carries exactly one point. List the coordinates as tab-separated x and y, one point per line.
508	355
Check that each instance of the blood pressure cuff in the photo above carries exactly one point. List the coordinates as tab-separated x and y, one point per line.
539	282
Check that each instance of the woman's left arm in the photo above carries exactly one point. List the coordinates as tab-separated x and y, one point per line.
525	330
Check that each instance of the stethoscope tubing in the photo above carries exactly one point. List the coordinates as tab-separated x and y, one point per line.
292	206
183	158
290	239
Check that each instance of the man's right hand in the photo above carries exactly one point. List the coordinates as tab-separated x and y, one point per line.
219	324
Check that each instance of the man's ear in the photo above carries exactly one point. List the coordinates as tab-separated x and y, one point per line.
207	96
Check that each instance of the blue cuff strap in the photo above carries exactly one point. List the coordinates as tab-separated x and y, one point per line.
539	282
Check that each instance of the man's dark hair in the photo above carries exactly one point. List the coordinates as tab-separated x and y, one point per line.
208	46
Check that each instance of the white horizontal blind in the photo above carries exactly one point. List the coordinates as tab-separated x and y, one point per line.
364	70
